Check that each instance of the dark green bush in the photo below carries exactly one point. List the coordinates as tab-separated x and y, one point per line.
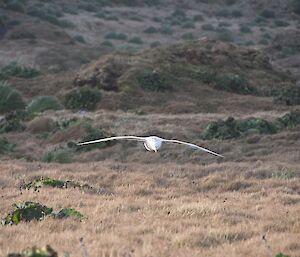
15	5
13	121
188	36
10	99
236	14
268	14
59	156
288	96
150	30
80	39
281	255
35	252
225	35
14	70
231	128
66	213
223	13
208	27
245	29
5	146
296	6
107	43
281	23
228	82
152	80
155	44
188	25
166	30
82	99
198	17
116	36
43	103
26	212
136	40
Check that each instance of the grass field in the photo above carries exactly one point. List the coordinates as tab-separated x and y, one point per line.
174	203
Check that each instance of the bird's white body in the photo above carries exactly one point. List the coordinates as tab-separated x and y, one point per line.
151	143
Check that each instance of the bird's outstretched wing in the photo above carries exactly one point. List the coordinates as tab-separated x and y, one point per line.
192	145
113	138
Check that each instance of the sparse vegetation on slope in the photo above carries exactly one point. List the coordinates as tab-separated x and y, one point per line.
232	128
10	99
43	103
14	70
29	211
82	99
36	252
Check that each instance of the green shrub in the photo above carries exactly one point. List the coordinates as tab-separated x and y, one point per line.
188	25
236	14
223	13
245	29
36	252
281	23
263	41
10	99
198	17
13	121
136	18
228	82
116	36
281	255
15	5
59	156
150	30
231	128
296	6
152	80
43	103
5	146
155	44
82	99
166	30
136	40
107	43
48	17
225	35
188	36
14	70
268	14
66	213
288	96
70	9
26	212
208	27
156	19
80	39
224	24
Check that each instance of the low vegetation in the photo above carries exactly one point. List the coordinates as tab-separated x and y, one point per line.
289	96
58	156
28	211
232	128
82	99
43	103
153	80
10	99
15	70
36	252
5	146
13	121
227	82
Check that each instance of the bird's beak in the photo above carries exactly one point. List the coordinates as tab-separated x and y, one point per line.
155	150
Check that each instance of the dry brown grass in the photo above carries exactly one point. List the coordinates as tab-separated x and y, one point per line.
160	210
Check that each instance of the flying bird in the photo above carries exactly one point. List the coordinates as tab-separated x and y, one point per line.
151	143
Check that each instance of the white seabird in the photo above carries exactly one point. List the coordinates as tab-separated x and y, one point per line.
151	143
